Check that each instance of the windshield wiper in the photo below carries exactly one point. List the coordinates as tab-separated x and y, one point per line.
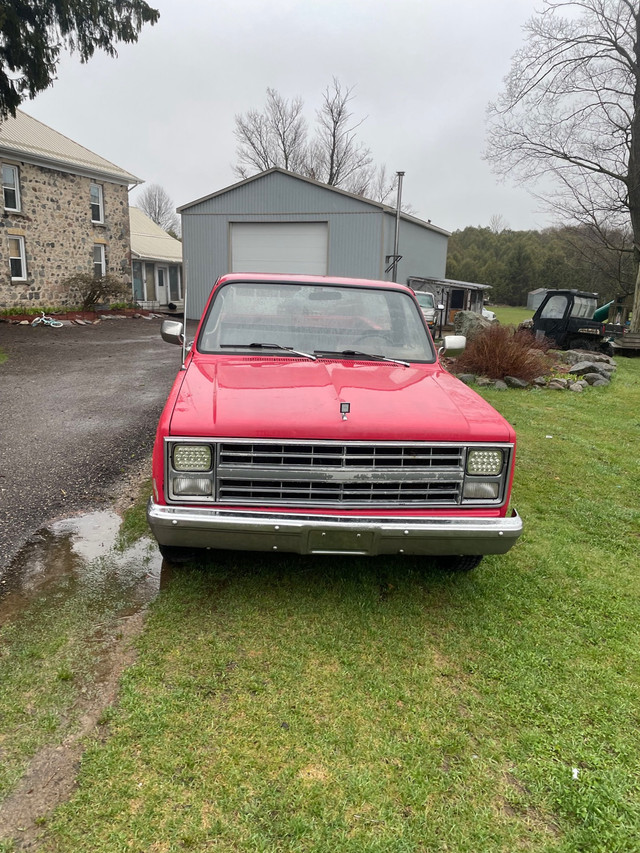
269	346
353	353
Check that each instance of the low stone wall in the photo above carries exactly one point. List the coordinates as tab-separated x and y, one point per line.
575	370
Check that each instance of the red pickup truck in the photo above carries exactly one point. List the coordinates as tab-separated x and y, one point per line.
312	415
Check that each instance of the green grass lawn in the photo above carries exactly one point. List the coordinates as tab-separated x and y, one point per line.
281	703
510	315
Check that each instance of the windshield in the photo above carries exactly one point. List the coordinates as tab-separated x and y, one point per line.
425	300
315	318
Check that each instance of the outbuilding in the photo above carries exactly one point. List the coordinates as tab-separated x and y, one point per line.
278	221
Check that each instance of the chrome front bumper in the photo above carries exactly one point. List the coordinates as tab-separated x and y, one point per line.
196	527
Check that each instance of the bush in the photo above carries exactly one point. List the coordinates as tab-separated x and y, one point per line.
501	351
88	291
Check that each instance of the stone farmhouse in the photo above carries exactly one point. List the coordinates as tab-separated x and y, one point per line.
65	211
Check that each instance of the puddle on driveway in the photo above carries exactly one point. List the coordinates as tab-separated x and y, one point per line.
78	558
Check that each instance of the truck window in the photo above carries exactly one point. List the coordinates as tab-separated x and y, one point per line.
555	308
312	316
583	307
425	300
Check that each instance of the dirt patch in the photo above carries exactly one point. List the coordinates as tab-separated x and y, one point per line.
51	776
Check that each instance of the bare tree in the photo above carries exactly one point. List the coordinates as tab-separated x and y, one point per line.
279	136
570	110
157	204
498	224
336	157
275	137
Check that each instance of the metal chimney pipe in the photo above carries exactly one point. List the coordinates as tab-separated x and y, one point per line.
397	236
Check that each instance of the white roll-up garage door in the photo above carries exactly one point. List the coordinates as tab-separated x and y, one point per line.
286	247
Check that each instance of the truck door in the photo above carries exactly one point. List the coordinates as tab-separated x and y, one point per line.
551	317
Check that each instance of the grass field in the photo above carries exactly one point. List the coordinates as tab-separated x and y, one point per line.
510	315
295	704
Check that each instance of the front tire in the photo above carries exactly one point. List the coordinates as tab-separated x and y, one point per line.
178	556
462	563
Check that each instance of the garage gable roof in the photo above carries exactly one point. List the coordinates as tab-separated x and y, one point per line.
276	170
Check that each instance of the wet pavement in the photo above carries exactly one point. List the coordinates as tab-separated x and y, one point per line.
78	409
80	557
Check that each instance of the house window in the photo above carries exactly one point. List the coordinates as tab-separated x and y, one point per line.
17	259
99	262
11	187
97	205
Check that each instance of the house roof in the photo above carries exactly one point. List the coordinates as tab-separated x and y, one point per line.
149	242
276	170
25	138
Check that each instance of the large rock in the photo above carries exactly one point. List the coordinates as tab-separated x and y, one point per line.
469	324
514	382
583	367
573	356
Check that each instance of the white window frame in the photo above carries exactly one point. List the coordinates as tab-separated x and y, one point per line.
15	188
100	204
102	260
22	257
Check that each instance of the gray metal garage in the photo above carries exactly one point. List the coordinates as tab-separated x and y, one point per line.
278	221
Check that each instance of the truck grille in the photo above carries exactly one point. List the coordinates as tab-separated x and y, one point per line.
347	475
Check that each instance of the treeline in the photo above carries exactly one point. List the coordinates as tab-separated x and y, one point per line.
516	262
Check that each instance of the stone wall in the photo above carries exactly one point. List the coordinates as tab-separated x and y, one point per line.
55	221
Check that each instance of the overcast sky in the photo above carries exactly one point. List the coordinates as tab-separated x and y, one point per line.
423	71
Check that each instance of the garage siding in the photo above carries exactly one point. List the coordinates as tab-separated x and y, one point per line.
358	232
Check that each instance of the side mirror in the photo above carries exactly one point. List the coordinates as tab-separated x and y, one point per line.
440	306
452	345
172	332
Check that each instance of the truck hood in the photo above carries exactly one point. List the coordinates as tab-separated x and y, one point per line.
262	397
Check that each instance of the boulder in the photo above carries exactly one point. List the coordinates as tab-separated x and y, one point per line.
592	378
469	324
558	384
499	385
467	378
583	367
573	356
576	386
514	382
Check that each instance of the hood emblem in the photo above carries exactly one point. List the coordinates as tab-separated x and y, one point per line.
345	408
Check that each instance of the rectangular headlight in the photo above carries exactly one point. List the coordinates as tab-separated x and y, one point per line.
192	457
479	491
192	486
485	462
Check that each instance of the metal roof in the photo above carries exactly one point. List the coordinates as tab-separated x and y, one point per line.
451	282
26	138
385	207
149	242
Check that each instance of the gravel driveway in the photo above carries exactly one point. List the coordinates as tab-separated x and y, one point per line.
78	408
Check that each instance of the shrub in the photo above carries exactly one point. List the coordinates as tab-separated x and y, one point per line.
501	351
89	291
